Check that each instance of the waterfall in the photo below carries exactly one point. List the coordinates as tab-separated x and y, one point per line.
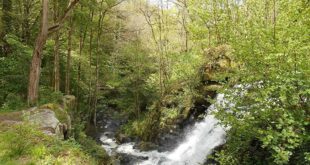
198	143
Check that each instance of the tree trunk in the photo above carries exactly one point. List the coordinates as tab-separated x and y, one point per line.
94	116
79	71
56	63
56	84
90	59
35	69
266	13
81	46
274	22
25	23
68	67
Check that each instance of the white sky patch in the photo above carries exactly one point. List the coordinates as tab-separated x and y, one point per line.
157	2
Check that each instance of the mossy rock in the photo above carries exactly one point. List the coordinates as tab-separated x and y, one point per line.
219	62
121	138
69	102
61	114
52	119
186	113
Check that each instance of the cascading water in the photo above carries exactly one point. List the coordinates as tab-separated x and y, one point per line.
198	143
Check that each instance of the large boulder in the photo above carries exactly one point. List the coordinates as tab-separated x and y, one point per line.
122	138
219	62
218	66
69	102
51	119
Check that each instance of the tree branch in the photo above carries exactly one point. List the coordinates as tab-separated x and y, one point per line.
62	19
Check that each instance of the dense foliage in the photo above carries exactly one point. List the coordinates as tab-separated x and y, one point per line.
156	62
270	117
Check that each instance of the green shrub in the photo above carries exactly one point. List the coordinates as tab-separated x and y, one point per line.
14	69
91	147
13	102
47	95
146	127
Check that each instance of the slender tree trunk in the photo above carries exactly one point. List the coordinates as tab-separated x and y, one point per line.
96	89
81	46
94	116
158	43
186	35
266	12
56	63
35	69
79	70
56	84
185	26
137	95
209	36
25	24
274	22
102	14
217	33
90	59
68	67
161	69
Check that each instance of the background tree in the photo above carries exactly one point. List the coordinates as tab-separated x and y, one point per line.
34	75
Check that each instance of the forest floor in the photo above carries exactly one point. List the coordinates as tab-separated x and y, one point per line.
11	116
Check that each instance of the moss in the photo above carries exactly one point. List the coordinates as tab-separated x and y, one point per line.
60	113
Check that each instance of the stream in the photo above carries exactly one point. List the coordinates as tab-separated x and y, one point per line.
198	142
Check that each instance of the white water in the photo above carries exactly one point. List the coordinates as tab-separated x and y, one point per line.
198	143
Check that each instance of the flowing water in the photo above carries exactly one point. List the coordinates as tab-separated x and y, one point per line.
198	143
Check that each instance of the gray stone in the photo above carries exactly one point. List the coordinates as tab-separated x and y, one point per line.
47	121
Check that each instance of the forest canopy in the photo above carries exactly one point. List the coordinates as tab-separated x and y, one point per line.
156	63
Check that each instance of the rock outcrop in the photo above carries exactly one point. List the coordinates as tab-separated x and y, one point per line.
219	62
214	73
46	119
52	119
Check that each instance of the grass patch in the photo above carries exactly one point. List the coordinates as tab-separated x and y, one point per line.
25	144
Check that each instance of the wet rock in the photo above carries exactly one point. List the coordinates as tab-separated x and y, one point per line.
109	134
116	162
146	146
122	138
130	159
168	141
